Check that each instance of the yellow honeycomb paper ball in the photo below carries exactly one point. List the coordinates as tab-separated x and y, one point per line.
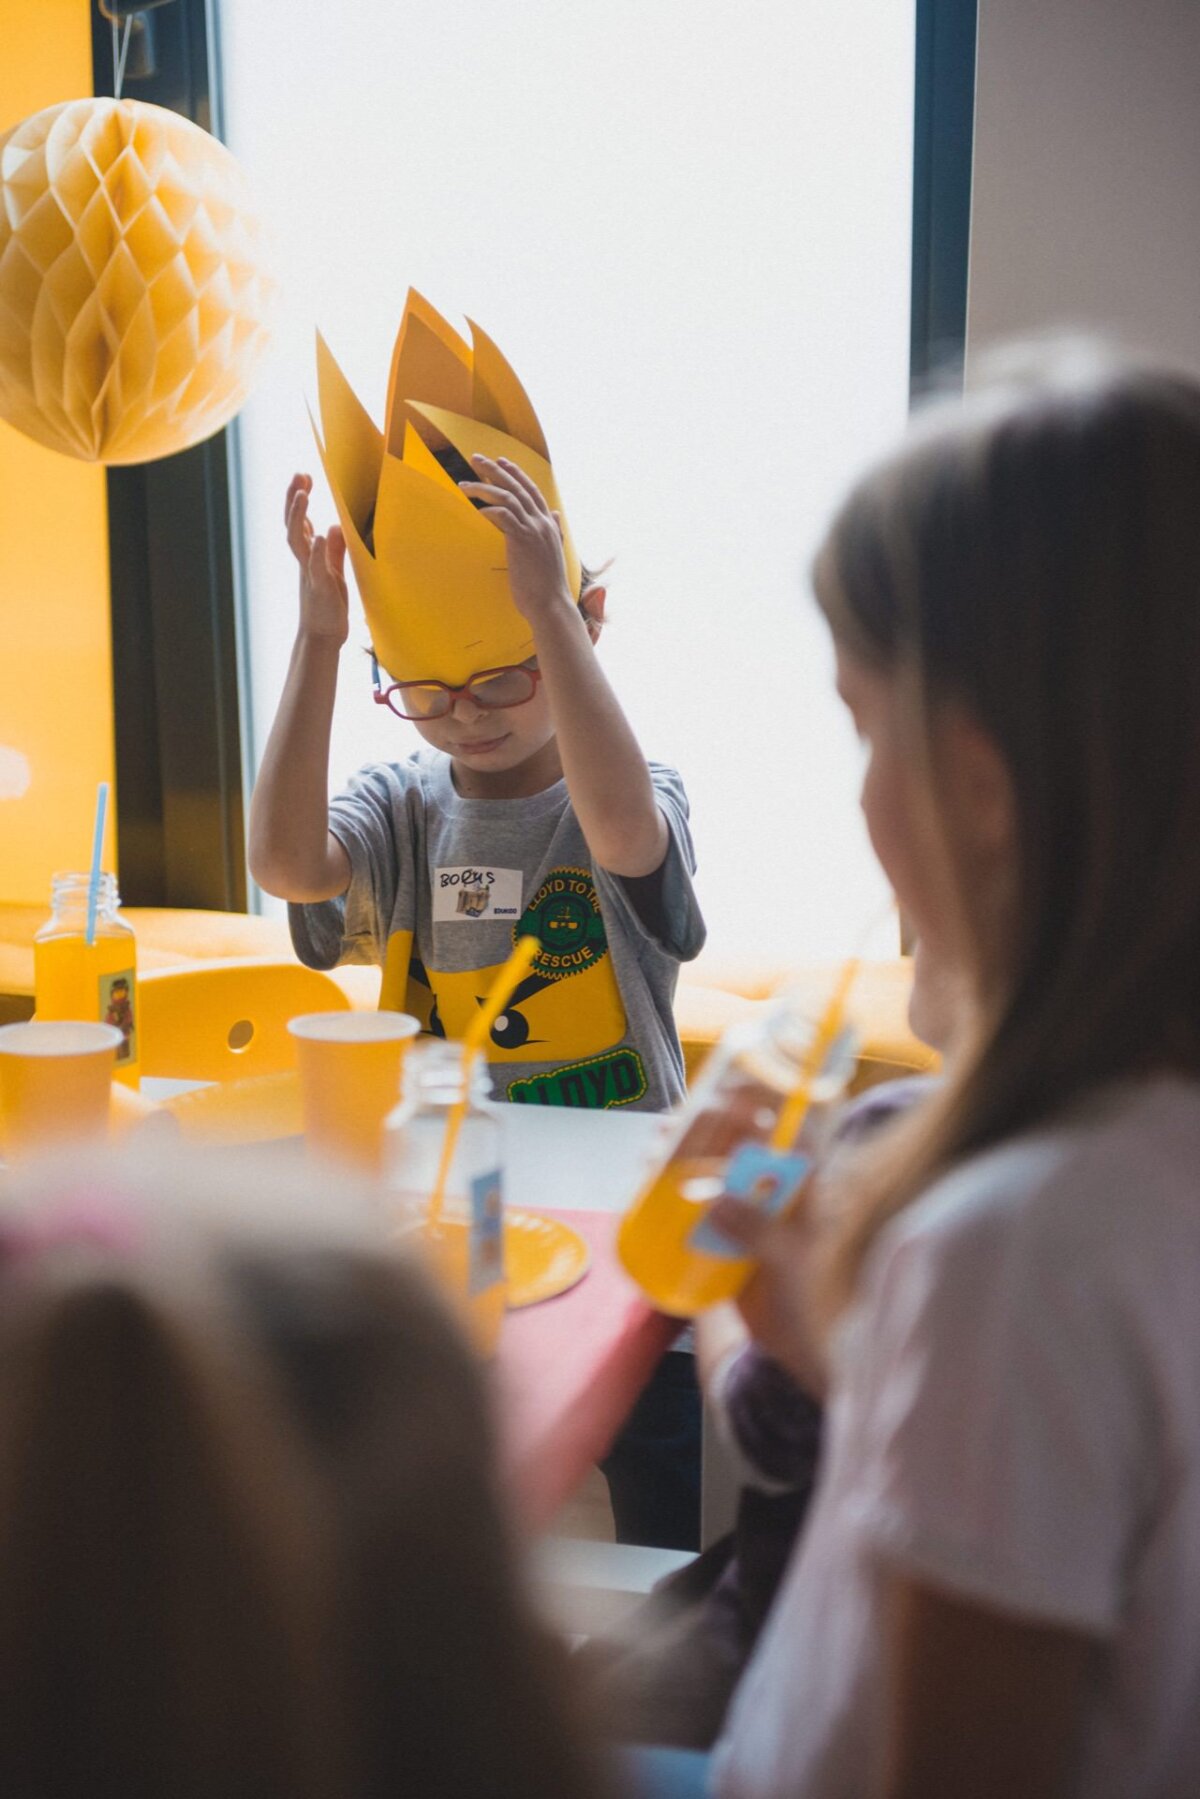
134	307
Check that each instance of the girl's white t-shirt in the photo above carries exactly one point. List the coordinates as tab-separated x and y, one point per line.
1015	1420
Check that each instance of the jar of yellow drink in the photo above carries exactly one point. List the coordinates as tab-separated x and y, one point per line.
460	1228
97	980
726	1139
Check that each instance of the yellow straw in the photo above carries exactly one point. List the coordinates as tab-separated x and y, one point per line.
791	1116
503	987
474	1038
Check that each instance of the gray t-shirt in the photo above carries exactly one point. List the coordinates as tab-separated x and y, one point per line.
440	889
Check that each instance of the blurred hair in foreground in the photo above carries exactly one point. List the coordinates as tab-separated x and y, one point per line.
251	1541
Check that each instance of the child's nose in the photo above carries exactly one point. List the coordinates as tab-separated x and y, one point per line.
466	710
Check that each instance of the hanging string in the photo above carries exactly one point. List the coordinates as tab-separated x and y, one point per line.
119	58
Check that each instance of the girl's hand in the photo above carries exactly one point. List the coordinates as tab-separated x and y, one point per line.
537	571
324	600
775	1301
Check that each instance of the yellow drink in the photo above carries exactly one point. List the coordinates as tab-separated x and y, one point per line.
654	1240
96	983
740	1125
444	1160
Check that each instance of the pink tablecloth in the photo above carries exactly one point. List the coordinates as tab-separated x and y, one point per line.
568	1371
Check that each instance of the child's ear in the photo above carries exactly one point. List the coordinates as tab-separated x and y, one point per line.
980	787
591	604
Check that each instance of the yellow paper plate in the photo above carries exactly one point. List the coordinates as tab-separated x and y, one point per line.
542	1256
258	1109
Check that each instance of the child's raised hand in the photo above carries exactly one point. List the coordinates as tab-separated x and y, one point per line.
324	600
537	570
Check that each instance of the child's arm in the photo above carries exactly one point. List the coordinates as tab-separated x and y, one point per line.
771	1425
292	851
720	1333
605	770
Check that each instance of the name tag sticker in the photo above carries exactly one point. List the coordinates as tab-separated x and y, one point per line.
765	1178
462	895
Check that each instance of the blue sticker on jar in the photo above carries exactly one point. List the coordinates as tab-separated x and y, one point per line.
767	1179
485	1259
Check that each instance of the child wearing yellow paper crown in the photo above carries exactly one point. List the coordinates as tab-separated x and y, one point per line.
531	809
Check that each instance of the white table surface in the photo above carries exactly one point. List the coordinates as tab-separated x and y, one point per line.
554	1156
574	1160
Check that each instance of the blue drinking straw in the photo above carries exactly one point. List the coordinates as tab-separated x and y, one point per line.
97	846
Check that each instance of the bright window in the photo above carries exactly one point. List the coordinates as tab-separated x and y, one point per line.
687	225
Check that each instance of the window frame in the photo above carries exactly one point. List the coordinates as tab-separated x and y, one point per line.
943	155
179	626
177	614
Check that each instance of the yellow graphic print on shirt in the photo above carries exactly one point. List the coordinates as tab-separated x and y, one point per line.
568	1009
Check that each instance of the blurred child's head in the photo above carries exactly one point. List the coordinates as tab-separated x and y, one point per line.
1014	601
1013	597
250	1540
162	1575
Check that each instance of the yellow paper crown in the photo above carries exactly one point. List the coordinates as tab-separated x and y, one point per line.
431	570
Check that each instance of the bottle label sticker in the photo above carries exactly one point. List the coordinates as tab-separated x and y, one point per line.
485	1262
768	1179
118	1000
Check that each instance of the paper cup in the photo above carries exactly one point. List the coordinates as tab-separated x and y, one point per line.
55	1079
349	1080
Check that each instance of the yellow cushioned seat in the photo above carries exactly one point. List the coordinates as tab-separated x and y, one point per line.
713	994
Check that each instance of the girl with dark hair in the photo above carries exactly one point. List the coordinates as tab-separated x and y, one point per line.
998	1589
250	1539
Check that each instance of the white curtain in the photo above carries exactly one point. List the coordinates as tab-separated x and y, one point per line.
687	225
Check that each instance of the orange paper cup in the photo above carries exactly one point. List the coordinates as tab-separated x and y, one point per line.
350	1080
55	1079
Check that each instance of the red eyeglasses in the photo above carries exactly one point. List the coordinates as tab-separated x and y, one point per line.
492	689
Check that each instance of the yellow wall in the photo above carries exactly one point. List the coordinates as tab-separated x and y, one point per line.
56	709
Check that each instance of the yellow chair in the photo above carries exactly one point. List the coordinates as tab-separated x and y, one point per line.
713	994
227	1020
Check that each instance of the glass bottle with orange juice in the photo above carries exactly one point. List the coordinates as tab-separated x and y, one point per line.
726	1140
461	1226
96	981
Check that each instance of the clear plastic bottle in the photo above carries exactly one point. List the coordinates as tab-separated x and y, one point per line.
96	981
723	1142
465	1243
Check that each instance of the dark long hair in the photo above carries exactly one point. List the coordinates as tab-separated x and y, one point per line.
252	1541
161	1573
1033	555
451	1687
